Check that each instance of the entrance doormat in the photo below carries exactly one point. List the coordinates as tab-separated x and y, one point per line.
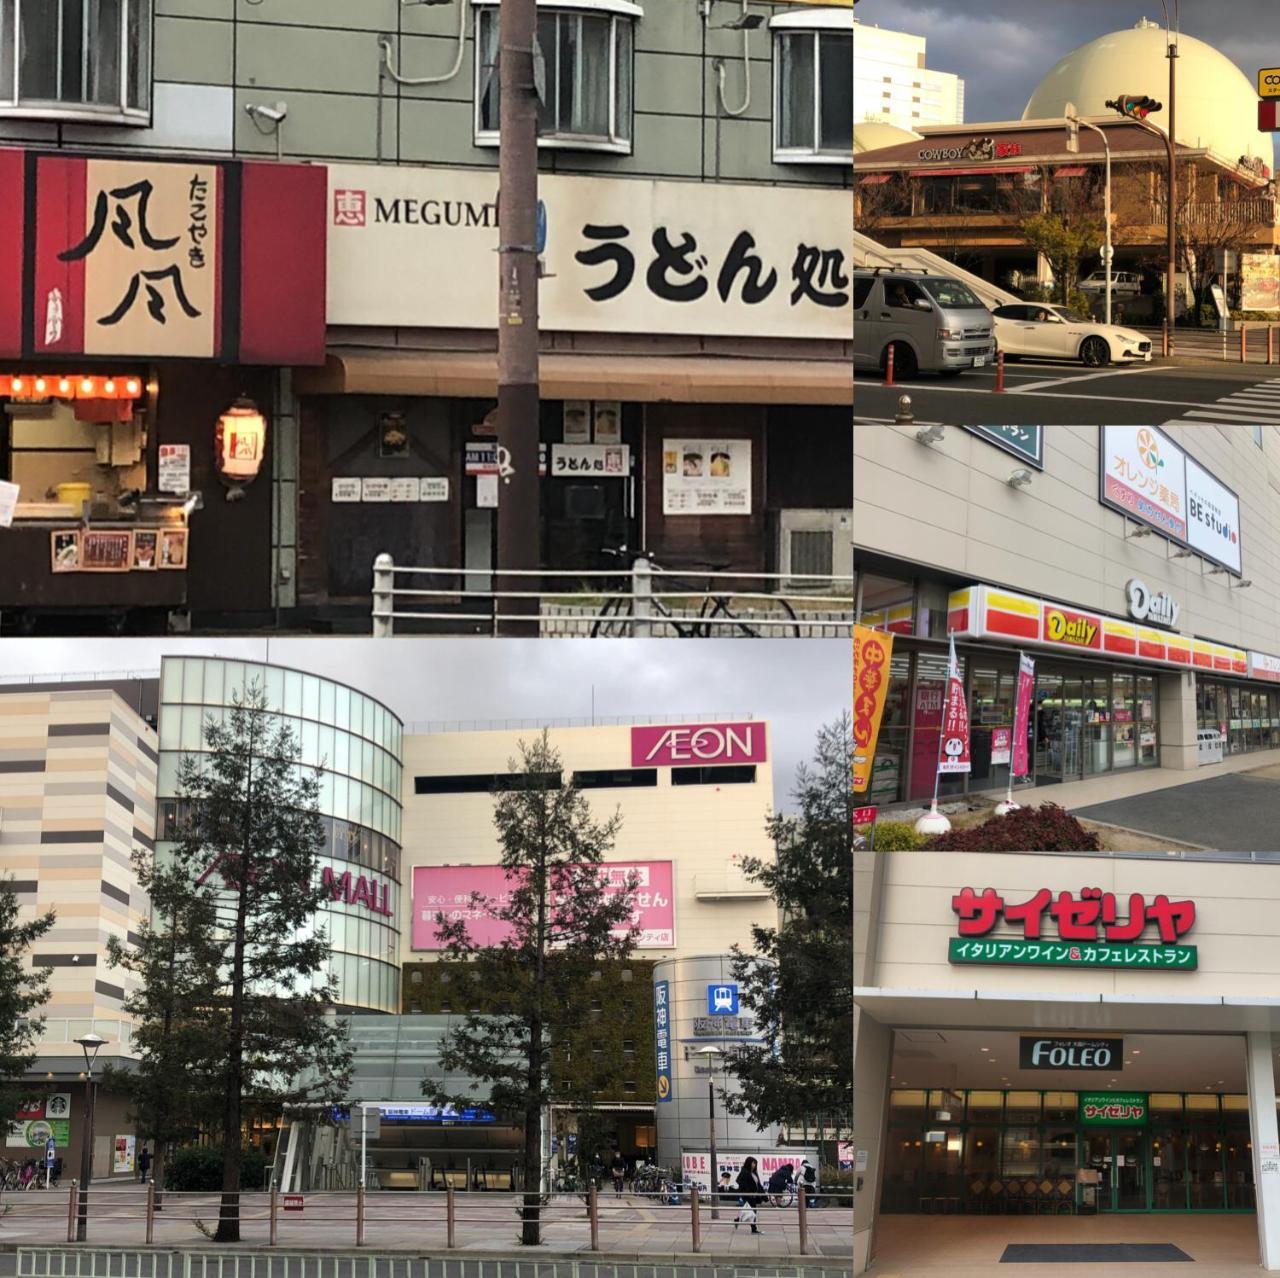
1090	1253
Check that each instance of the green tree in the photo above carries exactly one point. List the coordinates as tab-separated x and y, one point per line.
178	1008
1064	238
564	927
23	989
798	979
249	817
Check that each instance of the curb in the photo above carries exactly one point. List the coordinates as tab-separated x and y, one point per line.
1173	845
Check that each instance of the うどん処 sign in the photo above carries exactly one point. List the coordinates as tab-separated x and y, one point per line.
1093	929
622	255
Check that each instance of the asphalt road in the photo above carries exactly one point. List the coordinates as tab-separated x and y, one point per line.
1045	391
1228	814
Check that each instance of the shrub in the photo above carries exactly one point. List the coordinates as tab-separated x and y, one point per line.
1043	829
199	1169
895	836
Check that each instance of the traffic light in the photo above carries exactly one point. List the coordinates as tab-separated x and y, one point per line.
1135	106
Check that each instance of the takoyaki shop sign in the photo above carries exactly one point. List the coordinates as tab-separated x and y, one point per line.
1089	928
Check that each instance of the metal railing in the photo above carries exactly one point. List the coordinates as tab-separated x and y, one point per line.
127	1214
643	601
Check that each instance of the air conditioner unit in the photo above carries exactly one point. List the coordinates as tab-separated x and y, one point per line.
815	542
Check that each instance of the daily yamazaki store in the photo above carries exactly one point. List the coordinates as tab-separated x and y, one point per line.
1151	679
1087	1036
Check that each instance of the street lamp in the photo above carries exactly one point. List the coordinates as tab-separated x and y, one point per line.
1172	28
91	1044
710	1052
1074	124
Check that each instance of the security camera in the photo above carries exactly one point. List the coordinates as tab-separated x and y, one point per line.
1020	479
931	434
275	114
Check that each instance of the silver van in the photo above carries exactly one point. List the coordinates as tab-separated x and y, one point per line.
934	324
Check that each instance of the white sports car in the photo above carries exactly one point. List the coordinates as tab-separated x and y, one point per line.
1042	330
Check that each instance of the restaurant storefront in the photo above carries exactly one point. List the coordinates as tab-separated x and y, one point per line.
145	310
1048	1035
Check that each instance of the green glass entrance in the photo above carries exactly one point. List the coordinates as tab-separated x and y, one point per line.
1121	1161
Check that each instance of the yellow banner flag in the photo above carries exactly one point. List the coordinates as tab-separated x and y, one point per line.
872	650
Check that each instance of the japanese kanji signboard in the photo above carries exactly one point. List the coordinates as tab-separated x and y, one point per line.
1094	929
622	255
448	889
1114	1109
159	257
872	650
1147	477
662	1039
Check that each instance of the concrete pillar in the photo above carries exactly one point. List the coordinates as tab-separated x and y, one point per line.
1177	696
872	1061
1260	1063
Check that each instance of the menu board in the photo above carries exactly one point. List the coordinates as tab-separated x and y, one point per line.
706	476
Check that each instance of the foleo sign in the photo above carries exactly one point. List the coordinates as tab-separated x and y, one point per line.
683	745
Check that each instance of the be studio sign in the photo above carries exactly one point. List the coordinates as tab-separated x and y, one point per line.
1071	1053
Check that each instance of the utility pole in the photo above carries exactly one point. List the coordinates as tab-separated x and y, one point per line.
1171	35
519	523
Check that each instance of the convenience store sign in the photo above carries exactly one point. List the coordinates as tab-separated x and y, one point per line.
1114	1109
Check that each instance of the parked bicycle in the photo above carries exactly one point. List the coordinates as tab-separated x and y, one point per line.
654	1182
617	615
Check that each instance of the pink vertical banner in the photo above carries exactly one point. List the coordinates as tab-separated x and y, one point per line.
955	720
1022	714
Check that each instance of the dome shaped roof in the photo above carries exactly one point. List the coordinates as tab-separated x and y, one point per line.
871	135
1216	103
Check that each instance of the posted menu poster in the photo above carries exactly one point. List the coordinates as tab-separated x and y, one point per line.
37	1120
706	476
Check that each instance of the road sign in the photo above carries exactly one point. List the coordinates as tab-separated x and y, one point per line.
1269	82
293	1202
722	1000
1269	115
864	816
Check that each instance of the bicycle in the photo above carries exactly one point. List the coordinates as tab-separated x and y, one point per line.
617	614
652	1181
783	1197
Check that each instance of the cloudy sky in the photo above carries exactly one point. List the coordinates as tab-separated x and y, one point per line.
796	685
1002	48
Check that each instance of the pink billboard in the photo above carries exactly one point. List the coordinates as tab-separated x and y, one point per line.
447	889
697	743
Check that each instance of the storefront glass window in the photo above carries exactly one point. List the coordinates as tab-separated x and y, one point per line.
1022	1107
991	705
985	1107
930	692
1020	1151
1166	1106
1096	724
886	603
1124	717
907	1107
1168	1168
1060	1151
1060	1107
1148	734
932	619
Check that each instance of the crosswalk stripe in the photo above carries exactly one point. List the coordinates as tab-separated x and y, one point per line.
1214	415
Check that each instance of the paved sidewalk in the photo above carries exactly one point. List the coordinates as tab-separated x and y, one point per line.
413	1221
972	1246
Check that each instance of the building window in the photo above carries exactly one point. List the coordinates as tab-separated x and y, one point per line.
87	59
487	783
629	1088
813	89
616	778
739	774
628	1046
584	67
1257	435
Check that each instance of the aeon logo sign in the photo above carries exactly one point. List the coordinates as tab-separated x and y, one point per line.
691	744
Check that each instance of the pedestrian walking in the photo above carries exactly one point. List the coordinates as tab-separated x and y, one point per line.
618	1172
144	1164
809	1182
751	1194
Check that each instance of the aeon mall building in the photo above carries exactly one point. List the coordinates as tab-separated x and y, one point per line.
1139	567
1047	1035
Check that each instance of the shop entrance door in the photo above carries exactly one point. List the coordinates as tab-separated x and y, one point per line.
1120	1159
1060	729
